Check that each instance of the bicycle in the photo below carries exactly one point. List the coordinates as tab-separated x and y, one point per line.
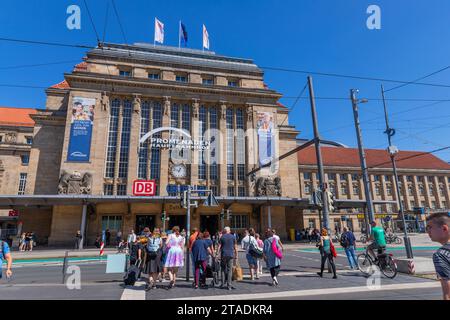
363	238
385	263
393	238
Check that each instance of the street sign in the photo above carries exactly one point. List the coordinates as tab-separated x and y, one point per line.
13	213
210	201
144	188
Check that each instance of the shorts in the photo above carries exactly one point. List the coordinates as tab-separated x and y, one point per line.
375	246
251	259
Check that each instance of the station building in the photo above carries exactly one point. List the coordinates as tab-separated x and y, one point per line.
87	148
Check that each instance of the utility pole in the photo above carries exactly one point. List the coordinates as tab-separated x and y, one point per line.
320	170
362	156
188	231
392	151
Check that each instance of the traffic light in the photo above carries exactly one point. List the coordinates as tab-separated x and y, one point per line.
222	215
163	216
228	214
330	198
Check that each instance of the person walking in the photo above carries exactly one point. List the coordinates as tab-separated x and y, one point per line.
5	254
438	229
78	238
118	237
325	245
250	254
200	251
348	242
22	242
175	255
278	238
131	239
245	240
228	253
154	244
164	250
271	251
259	261
193	237
107	237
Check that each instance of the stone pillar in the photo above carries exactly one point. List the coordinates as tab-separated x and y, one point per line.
251	157
447	191
133	159
164	175
223	150
416	193
437	194
195	136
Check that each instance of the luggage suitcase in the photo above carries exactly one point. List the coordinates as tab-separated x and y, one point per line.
132	274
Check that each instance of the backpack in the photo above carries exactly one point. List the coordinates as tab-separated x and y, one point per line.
255	250
150	250
344	241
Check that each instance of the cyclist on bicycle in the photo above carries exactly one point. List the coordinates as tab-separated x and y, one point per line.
379	240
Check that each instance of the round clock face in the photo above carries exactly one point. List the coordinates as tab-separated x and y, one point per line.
179	171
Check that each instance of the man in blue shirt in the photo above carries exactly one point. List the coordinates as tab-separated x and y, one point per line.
5	254
348	242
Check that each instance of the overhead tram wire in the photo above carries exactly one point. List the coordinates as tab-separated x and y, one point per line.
295	102
46	43
38	64
410	157
337	75
418	79
92	22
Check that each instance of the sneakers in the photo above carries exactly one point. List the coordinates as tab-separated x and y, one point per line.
335	277
320	274
276	281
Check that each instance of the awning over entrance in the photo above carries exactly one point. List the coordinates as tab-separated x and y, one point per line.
10	201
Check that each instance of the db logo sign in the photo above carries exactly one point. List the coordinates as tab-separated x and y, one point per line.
144	188
13	213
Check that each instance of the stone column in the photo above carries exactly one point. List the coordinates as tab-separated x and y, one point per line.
417	196
428	196
251	158
447	191
437	194
164	175
133	159
223	149
194	161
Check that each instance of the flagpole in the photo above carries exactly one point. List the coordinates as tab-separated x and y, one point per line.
179	35
154	36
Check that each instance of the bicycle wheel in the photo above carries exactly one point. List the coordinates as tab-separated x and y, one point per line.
364	263
388	267
398	240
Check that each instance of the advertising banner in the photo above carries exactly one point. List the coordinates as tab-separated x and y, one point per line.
81	129
266	137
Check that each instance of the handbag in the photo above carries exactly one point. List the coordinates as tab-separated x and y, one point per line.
255	251
238	273
275	249
333	249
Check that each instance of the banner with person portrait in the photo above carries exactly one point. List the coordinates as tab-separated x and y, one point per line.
266	137
83	110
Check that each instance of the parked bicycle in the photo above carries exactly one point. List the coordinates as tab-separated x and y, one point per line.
393	238
385	263
363	238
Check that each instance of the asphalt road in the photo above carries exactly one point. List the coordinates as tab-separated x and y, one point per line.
298	280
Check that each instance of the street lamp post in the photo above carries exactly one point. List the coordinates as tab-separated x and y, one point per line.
392	152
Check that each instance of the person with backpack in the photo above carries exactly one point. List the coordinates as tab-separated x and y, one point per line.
348	242
153	249
253	252
200	250
272	255
5	254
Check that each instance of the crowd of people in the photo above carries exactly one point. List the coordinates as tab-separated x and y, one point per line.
27	241
160	255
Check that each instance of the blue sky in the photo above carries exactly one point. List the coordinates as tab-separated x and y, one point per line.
322	35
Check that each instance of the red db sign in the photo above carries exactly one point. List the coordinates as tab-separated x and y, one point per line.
144	188
13	213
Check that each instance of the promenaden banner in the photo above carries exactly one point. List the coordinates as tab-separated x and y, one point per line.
266	137
83	110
